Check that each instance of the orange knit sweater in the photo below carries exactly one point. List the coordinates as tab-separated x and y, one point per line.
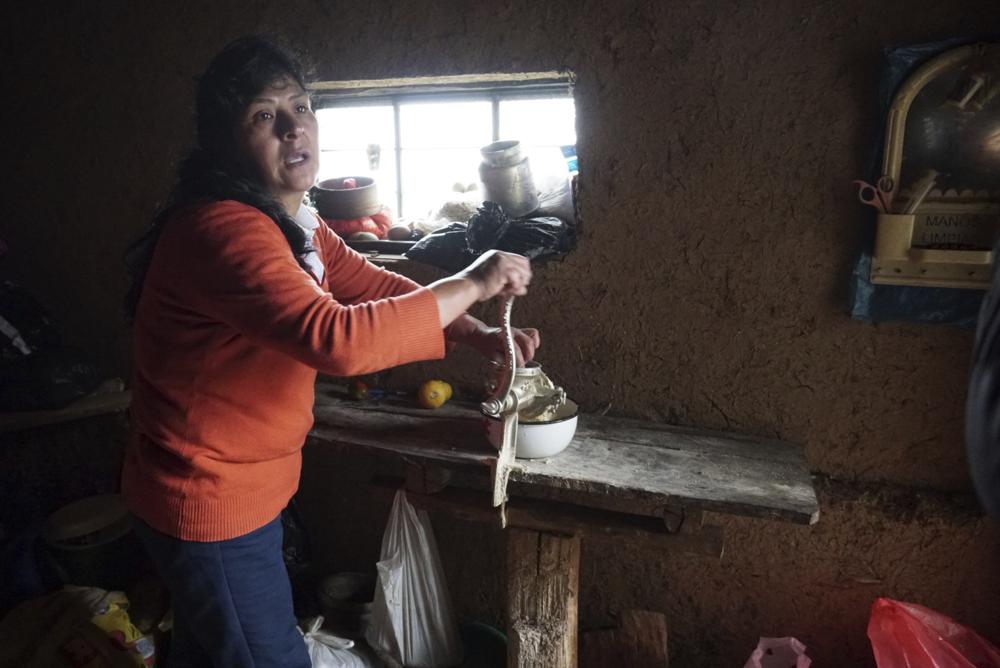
229	333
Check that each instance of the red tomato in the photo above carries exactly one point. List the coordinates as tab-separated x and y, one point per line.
384	219
346	228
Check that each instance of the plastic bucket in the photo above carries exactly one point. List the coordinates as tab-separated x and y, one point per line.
90	543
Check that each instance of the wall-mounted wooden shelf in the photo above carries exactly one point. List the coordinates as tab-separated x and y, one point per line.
89	406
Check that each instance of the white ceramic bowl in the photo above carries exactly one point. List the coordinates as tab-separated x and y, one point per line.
536	440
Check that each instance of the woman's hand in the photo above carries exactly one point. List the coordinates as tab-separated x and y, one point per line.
489	341
493	273
499	273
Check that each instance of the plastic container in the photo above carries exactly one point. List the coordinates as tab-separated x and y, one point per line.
506	177
484	645
90	543
338	201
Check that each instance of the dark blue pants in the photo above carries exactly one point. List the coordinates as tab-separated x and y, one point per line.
232	600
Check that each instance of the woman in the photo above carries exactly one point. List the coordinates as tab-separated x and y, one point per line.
239	295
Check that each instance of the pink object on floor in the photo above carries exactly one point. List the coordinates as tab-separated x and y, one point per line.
778	653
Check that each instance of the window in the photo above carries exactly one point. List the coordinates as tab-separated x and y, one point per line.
420	138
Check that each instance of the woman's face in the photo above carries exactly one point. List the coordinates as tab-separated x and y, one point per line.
276	136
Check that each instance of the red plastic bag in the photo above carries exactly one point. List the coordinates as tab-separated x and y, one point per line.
906	635
345	228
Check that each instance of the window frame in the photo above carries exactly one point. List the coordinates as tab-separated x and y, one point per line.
535	85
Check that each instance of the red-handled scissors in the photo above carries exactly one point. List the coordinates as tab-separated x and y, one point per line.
879	195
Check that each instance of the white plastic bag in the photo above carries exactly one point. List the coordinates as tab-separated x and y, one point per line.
329	651
412	617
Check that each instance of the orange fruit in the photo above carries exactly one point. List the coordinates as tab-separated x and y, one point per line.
434	393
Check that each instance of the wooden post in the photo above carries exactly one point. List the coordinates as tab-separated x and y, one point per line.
543	576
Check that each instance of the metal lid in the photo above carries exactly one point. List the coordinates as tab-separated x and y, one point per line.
502	153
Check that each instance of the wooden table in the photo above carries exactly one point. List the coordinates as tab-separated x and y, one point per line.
618	478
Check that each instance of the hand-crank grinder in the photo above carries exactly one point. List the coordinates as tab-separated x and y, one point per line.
526	415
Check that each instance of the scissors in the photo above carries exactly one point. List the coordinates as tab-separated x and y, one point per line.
879	195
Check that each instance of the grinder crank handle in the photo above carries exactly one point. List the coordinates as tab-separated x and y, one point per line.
503	406
500	401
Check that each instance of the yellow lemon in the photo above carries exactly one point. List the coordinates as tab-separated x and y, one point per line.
434	393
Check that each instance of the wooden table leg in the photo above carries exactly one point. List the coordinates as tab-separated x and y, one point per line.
543	576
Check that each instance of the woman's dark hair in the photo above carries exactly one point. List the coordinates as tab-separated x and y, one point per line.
212	171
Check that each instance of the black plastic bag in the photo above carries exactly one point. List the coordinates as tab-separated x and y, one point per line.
454	247
486	228
447	249
26	327
296	550
537	238
38	371
52	378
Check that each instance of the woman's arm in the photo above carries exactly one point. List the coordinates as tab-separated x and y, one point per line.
229	263
353	280
492	274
